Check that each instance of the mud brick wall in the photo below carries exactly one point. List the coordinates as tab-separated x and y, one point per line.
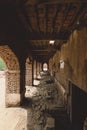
74	55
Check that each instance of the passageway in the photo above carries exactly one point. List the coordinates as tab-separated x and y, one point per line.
37	36
43	108
47	106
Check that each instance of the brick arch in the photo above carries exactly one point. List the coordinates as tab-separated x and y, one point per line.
12	76
9	57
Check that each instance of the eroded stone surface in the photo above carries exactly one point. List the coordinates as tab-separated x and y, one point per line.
44	97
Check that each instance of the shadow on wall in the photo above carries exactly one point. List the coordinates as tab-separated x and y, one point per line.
85	74
79	107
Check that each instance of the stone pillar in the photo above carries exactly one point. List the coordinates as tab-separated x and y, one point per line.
35	72
40	67
85	124
32	72
22	79
13	97
38	70
29	77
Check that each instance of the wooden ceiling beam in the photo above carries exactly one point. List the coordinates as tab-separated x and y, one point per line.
43	51
78	13
23	19
55	17
37	17
46	18
25	13
38	36
40	50
46	2
67	9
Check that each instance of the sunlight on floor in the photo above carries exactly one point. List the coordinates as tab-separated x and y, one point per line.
11	118
2	89
30	91
36	82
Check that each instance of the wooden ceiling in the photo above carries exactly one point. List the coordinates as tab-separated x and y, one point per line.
45	20
51	20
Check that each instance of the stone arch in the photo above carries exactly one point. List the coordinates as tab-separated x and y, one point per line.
9	57
12	76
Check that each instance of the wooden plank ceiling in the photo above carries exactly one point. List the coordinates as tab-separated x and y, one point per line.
51	20
46	20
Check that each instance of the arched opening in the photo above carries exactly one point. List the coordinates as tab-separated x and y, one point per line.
9	63
45	67
2	82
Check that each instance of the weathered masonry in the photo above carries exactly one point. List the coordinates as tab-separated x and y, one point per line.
36	36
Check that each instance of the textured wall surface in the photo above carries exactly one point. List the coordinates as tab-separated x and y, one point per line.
74	56
28	72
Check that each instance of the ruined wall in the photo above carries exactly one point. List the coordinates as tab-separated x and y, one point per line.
74	56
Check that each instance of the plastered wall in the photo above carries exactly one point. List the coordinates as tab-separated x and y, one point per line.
74	55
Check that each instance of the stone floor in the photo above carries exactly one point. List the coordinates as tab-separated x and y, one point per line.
43	108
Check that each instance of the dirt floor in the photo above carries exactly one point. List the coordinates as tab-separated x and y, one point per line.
42	109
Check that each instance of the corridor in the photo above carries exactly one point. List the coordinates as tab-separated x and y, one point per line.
43	109
43	51
47	106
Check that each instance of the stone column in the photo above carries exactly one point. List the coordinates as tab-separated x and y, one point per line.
29	77
22	79
13	97
36	68
32	72
35	72
85	124
40	67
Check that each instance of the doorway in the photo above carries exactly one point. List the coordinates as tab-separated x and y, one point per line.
45	67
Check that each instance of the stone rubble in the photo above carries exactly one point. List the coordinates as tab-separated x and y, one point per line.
44	97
